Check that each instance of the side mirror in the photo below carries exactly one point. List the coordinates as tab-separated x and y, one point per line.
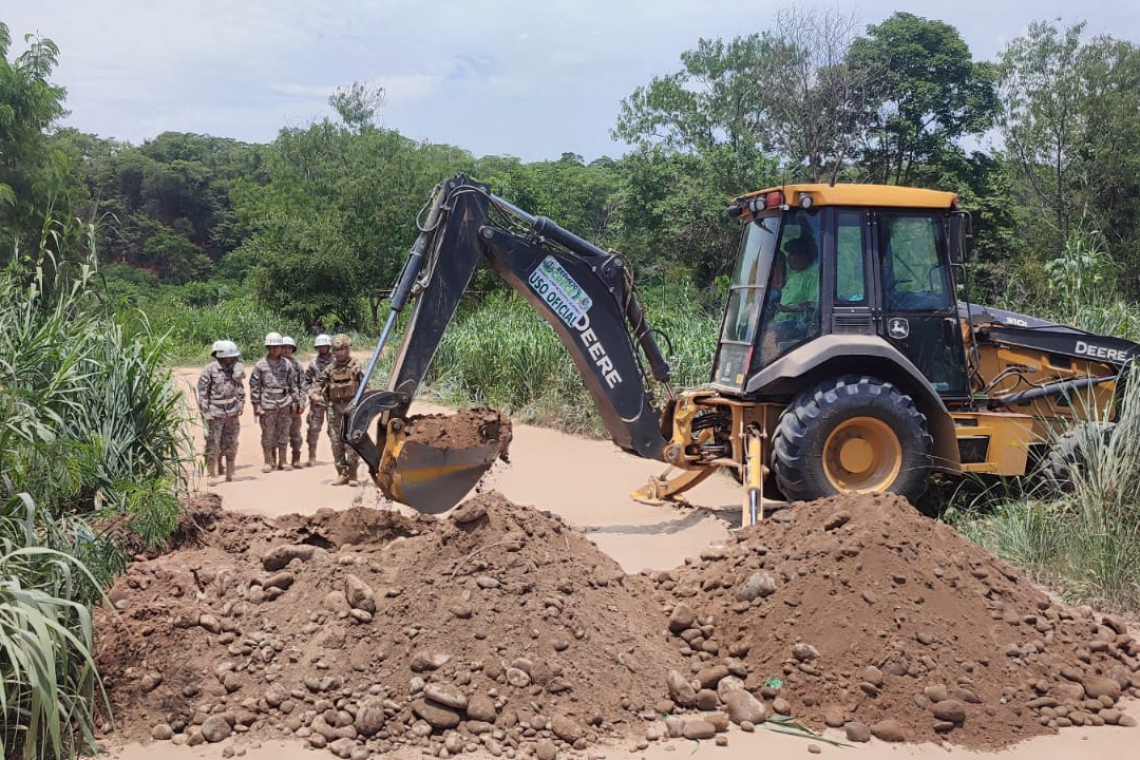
961	234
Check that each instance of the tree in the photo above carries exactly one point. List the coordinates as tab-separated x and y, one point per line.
357	105
31	173
925	96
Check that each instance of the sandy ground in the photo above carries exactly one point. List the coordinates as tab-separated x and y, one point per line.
588	483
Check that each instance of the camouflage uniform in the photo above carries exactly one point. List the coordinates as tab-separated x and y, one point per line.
338	384
296	418
221	400
317	408
272	390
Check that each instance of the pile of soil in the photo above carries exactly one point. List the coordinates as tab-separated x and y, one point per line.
466	428
858	612
498	627
366	631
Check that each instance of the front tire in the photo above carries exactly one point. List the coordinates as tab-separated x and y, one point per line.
852	434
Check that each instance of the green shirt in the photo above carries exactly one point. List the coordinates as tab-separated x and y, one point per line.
799	287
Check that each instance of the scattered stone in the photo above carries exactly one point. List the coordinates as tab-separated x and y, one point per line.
359	594
1097	686
546	750
282	580
370	717
837	520
437	716
424	661
447	695
567	729
481	707
680	690
741	706
468	512
698	729
950	710
889	730
805	652
682	618
216	729
162	732
280	557
151	681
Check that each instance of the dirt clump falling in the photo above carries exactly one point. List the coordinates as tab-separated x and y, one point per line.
364	631
464	429
858	613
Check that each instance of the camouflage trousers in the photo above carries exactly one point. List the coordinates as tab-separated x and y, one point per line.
295	421
222	437
343	454
275	428
316	420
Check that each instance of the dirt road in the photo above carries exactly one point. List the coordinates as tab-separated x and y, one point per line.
587	483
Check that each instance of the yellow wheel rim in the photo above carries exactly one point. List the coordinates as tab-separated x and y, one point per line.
862	454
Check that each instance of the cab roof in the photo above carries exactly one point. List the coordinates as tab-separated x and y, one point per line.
890	196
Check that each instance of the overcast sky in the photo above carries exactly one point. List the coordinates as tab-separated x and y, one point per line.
529	79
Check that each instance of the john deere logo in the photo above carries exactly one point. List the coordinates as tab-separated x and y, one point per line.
898	328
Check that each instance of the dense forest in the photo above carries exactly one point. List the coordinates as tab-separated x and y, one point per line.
1039	144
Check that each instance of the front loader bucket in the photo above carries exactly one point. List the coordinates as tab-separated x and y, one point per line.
430	463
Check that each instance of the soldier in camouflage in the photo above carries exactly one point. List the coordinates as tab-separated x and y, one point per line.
338	384
274	394
288	348
317	409
221	400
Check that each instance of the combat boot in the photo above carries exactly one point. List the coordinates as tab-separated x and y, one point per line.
212	468
312	456
296	459
283	458
341	477
268	460
352	479
229	469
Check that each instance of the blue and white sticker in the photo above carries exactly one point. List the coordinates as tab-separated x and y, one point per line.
560	291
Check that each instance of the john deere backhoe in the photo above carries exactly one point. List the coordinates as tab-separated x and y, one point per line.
845	363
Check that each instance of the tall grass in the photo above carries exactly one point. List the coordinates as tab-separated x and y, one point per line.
1085	540
502	353
90	427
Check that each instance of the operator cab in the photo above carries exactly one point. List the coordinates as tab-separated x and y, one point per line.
820	260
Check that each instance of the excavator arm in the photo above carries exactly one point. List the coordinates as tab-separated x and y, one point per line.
584	292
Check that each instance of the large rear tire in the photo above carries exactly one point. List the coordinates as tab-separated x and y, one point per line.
852	434
1069	453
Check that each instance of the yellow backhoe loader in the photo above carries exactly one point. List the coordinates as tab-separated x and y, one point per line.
845	362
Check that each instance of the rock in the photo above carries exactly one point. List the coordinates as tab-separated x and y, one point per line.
781	706
805	652
369	717
518	678
719	721
680	691
359	594
936	693
834	719
675	726
282	580
487	582
837	520
151	681
1127	721
210	623
857	732
710	677
1117	624
468	512
275	695
447	695
216	729
335	601
437	715
423	661
707	699
481	707
162	732
545	749
873	676
342	748
889	730
567	729
950	710
698	729
742	706
682	618
725	687
1096	686
281	556
361	655
756	586
813	749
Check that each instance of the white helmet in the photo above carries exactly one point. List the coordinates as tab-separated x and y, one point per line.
323	340
287	341
214	349
273	339
227	350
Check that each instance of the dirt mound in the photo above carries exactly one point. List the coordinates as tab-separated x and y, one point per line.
366	631
859	612
464	429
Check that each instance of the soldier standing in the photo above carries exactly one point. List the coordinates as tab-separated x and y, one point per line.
221	400
273	395
288	348
316	418
338	386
